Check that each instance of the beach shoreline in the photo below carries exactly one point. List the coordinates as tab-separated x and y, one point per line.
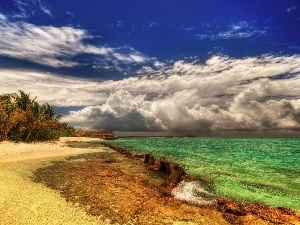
122	186
23	201
233	210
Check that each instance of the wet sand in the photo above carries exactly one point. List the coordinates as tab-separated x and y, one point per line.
77	181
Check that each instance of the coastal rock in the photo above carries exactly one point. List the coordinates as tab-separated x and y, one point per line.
177	174
121	150
231	207
244	213
149	160
164	166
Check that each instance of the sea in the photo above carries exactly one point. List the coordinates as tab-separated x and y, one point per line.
258	170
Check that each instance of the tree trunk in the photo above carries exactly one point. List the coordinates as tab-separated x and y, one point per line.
28	135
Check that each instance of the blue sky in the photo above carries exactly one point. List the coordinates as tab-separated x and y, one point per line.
201	67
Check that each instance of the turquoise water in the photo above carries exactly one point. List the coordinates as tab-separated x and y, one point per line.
263	170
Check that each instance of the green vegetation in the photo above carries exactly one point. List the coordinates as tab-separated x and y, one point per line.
24	119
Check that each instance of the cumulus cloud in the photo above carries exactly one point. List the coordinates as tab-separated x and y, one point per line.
122	111
222	94
57	46
125	112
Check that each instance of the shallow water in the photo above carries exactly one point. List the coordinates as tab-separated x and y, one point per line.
264	170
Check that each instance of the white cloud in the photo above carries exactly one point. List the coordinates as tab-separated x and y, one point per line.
137	58
238	30
124	112
291	9
29	8
254	93
70	13
158	64
152	24
3	17
57	46
44	8
222	94
121	112
53	89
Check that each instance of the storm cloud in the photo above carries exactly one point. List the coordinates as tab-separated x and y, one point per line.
246	112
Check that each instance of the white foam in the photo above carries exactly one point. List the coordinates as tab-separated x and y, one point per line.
192	192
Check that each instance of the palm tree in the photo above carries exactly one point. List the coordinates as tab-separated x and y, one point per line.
22	118
23	100
39	118
10	115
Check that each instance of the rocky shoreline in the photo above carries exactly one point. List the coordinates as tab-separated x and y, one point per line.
139	192
174	172
233	211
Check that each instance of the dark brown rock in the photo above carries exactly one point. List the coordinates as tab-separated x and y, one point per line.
164	166
146	159
177	174
151	161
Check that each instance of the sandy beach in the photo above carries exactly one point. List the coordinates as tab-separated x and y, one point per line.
78	181
23	201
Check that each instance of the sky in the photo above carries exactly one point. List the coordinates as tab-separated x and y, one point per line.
201	67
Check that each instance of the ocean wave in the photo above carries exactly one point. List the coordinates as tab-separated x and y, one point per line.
192	192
